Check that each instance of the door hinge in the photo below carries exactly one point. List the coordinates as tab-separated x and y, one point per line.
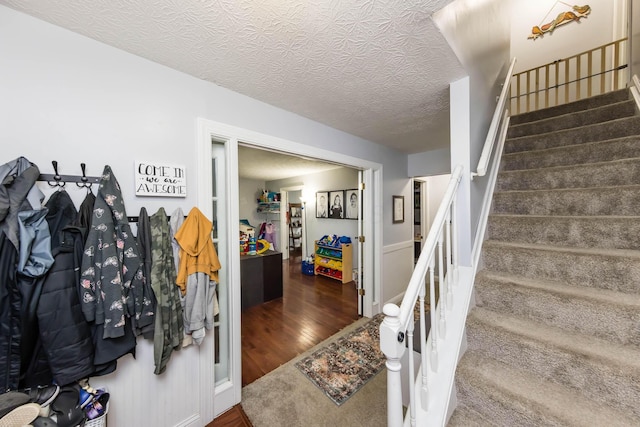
362	185
361	292
361	239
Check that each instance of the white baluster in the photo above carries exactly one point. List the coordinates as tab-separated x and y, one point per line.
434	319
412	370
424	390
449	264
442	304
454	246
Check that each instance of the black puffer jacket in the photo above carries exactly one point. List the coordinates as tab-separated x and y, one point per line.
64	351
65	334
10	302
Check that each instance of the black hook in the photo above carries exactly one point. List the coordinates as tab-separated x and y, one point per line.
58	179
55	169
84	179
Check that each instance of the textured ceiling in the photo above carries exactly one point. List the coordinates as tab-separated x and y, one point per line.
376	69
266	165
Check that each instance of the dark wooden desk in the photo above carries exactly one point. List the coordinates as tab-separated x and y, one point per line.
260	278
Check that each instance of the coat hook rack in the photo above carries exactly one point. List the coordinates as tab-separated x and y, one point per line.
85	181
56	177
57	180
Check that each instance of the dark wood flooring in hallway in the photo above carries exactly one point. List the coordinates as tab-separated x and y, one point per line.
312	309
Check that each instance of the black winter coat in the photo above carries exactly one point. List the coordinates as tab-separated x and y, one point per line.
64	351
65	333
10	302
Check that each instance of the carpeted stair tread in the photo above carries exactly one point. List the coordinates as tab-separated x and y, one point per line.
602	313
600	174
574	119
589	346
612	200
554	335
573	154
580	105
613	269
617	128
593	368
606	232
513	397
464	416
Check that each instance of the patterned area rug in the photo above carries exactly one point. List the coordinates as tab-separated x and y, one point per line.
341	368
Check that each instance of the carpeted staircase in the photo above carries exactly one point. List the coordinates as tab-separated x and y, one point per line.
554	338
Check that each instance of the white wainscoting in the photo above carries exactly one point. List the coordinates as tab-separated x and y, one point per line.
141	398
396	271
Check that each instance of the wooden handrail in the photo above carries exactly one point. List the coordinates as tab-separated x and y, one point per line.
587	70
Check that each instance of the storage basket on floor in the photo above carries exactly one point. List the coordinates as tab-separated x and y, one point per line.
101	421
307	268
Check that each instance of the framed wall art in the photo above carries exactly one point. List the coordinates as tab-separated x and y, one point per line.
351	204
398	209
336	204
322	204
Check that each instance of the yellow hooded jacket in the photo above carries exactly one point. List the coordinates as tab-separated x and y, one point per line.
197	253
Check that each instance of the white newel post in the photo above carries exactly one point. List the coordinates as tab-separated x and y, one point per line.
392	345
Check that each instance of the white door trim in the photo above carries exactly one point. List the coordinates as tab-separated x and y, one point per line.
284	232
229	394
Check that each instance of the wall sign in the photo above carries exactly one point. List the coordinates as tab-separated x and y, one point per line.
154	179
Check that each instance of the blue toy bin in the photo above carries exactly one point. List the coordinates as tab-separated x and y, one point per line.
307	268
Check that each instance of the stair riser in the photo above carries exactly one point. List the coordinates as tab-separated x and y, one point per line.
598	132
574	120
623	172
590	201
581	232
583	104
613	322
503	408
580	154
612	385
604	271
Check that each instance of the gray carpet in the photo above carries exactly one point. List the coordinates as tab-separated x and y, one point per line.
285	397
554	338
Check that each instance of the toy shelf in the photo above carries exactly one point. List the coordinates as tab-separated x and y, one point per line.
335	262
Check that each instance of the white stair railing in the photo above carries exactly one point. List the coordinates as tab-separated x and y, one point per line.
447	307
398	326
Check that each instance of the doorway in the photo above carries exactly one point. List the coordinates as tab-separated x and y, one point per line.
419	216
228	392
428	192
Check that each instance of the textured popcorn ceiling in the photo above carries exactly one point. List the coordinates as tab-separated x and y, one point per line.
376	69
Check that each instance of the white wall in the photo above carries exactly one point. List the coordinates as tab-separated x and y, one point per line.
436	187
250	190
430	162
398	267
593	31
69	98
479	33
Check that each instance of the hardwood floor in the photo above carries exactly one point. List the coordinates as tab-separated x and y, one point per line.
312	309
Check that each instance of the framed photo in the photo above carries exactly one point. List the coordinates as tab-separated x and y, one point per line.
336	204
398	209
351	204
322	204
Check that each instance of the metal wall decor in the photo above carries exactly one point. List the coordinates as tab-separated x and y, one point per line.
562	18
